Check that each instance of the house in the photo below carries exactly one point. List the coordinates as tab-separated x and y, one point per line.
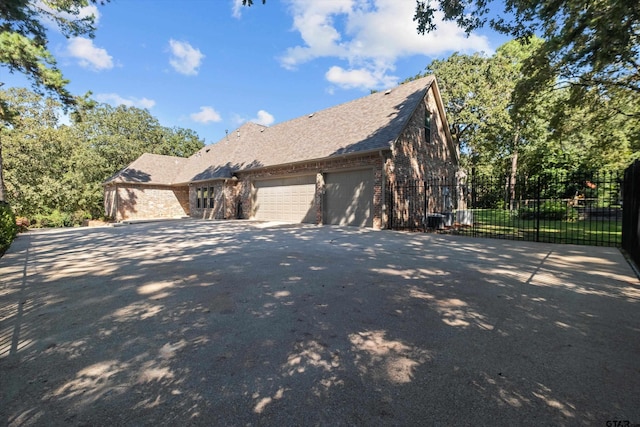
327	167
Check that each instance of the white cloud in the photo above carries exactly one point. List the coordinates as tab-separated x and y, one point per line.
236	10
263	118
115	99
358	78
206	115
185	59
369	36
89	55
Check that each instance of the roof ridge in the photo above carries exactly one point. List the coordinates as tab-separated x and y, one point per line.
387	91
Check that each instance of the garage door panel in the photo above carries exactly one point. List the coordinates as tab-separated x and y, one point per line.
349	198
285	199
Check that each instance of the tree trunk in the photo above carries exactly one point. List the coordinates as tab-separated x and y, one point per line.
3	189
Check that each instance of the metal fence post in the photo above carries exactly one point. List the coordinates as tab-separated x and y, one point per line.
426	203
538	191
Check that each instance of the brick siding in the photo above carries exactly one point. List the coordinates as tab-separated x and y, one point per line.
417	157
131	201
224	206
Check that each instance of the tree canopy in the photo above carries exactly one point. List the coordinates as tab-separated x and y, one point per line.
587	45
55	168
547	133
23	48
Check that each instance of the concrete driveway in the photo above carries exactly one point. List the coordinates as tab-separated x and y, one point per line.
245	323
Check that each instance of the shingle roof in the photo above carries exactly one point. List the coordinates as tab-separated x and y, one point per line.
369	123
150	169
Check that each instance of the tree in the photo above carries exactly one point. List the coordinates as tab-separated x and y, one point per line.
119	135
23	47
477	91
466	95
23	39
547	134
591	48
179	142
587	45
38	154
54	169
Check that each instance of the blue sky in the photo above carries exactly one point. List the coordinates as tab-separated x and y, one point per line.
211	65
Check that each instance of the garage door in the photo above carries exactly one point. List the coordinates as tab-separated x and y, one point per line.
349	198
285	199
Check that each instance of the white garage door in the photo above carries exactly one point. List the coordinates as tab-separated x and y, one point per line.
285	199
349	198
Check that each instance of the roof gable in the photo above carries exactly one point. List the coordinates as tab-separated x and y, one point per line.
150	169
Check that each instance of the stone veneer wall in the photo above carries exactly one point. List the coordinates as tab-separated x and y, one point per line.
134	201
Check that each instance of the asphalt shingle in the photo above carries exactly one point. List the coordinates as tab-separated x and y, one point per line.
150	169
369	123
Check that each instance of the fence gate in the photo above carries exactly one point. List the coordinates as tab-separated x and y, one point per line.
557	208
631	216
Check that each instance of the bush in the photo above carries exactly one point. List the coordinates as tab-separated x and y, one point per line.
549	210
60	219
8	227
54	219
78	217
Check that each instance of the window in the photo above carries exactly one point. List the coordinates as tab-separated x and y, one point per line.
205	196
211	197
427	126
198	197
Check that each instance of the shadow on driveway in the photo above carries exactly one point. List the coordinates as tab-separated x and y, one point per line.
235	323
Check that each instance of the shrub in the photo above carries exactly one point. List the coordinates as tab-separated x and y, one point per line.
549	210
54	219
8	227
60	219
78	217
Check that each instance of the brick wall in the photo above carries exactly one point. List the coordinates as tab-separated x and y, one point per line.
110	205
413	157
224	200
132	201
418	157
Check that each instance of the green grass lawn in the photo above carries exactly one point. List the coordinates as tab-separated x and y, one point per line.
508	225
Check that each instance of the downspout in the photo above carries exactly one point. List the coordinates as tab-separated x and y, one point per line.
116	197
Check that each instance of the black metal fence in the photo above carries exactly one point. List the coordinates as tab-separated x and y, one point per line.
558	208
631	215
